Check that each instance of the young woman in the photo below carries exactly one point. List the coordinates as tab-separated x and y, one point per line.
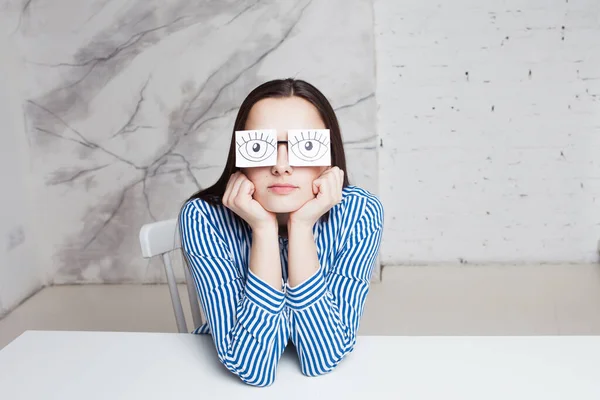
282	253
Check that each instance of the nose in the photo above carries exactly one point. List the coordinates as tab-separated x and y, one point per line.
282	167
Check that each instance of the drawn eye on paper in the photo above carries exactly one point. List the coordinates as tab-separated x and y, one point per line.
256	148
309	147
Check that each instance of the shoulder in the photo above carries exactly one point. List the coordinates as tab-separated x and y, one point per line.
205	230
216	216
360	204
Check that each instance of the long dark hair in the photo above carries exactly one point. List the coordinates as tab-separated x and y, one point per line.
278	88
274	89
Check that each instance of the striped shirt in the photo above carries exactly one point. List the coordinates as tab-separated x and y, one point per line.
250	321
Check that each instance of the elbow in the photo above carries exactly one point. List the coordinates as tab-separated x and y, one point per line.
318	367
265	382
261	375
312	370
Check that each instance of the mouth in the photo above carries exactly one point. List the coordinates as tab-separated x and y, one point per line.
282	185
282	188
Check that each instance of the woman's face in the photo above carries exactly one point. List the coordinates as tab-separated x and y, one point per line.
283	114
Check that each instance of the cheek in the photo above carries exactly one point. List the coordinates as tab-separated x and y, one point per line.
256	175
317	171
309	174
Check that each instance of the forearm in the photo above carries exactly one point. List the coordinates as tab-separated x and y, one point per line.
321	338
244	313
265	260
247	333
318	329
303	260
325	311
253	347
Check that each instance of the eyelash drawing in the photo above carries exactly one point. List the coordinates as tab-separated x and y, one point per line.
255	146
315	147
320	139
250	138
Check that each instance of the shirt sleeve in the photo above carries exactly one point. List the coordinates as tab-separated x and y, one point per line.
244	315
325	311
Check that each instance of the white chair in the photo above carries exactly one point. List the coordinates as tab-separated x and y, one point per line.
161	238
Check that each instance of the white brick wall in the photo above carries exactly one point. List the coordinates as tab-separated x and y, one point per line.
489	116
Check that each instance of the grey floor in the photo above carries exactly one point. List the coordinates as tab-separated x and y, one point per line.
444	300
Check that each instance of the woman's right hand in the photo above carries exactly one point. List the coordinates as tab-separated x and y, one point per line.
238	198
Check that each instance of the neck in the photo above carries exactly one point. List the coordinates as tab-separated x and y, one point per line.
282	220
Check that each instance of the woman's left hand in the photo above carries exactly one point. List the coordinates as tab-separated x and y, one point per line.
327	189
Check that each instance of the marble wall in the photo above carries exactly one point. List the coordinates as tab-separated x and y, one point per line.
20	272
129	106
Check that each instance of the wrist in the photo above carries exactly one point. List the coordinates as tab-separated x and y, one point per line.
265	228
299	225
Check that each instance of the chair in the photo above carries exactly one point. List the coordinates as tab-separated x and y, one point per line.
161	238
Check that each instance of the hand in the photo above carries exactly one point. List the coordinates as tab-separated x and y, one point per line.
327	189
238	198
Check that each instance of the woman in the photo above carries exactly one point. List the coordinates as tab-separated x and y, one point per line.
282	252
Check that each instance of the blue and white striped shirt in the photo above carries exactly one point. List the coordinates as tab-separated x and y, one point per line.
250	321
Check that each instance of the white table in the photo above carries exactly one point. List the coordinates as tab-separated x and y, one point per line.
109	365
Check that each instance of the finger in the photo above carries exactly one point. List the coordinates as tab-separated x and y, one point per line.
230	183
235	182
325	173
333	179
331	187
227	189
336	178
316	186
339	177
247	188
324	189
330	170
235	189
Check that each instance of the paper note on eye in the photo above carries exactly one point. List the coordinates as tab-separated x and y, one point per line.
306	148
309	147
256	148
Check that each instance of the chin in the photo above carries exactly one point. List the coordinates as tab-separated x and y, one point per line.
282	204
279	208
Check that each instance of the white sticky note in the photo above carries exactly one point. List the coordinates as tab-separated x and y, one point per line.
309	147
256	148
